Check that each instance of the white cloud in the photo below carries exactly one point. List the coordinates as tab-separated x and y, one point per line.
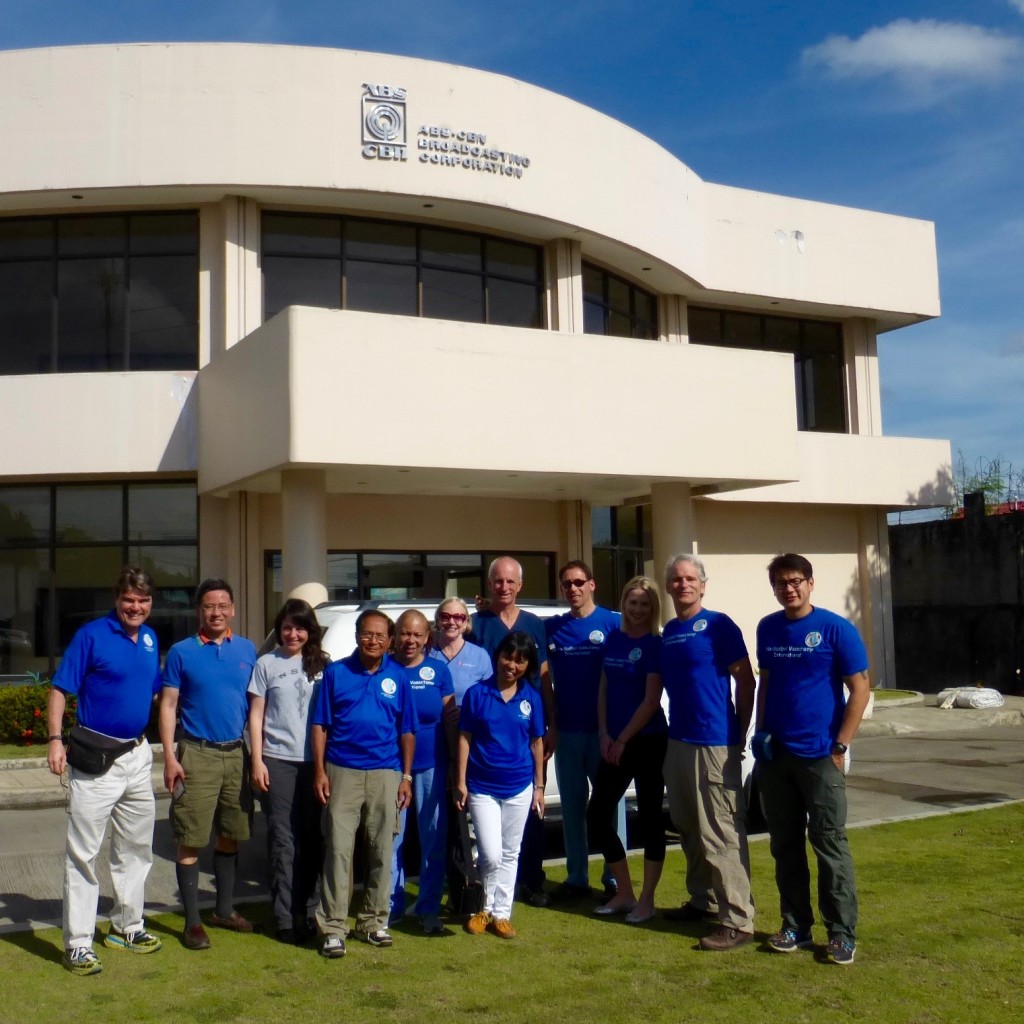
1019	4
920	52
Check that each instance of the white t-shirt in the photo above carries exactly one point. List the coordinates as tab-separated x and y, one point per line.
288	691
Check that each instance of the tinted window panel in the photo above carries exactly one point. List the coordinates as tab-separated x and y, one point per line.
89	514
25	239
593	318
163	233
26	317
512	259
704	325
513	304
593	285
380	288
376	240
90	325
161	512
289	235
451	296
163	313
24	516
741	330
452	249
293	281
90	236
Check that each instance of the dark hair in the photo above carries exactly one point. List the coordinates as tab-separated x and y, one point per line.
370	613
131	577
516	645
314	657
576	563
211	584
789	563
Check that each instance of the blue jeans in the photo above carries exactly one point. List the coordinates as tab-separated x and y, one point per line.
576	759
429	794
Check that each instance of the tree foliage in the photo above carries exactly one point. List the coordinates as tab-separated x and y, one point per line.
998	480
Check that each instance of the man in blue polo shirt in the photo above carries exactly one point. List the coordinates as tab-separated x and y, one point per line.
489	628
575	645
112	666
363	740
206	677
702	651
806	656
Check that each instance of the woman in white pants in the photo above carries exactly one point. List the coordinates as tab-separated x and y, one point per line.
501	774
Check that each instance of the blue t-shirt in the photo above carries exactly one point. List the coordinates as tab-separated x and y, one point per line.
431	682
500	760
365	713
211	680
695	657
489	631
806	660
575	650
627	663
113	677
471	665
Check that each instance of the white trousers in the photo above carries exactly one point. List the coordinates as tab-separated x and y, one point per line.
124	798
499	828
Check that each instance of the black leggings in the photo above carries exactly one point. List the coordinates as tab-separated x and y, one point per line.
642	760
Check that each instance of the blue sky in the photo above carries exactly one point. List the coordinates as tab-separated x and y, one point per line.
910	108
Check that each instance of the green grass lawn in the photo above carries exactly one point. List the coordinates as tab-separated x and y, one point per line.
942	907
19	750
884	695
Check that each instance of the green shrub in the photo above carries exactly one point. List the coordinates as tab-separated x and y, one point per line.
23	713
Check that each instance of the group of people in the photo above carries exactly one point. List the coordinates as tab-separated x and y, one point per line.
462	714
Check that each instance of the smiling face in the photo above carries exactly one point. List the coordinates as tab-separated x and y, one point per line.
578	590
133	608
505	582
411	634
293	637
686	589
510	669
452	621
637	608
793	591
216	612
372	639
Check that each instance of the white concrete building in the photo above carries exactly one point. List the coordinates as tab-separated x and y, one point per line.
386	318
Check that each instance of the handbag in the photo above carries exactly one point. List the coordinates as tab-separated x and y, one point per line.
92	752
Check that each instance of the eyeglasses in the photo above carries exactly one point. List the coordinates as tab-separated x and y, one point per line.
791	584
570	584
453	617
369	637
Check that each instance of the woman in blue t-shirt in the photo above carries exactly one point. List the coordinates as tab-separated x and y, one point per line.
633	734
501	773
432	693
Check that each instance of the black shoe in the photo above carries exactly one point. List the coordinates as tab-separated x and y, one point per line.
287	936
689	912
567	892
533	897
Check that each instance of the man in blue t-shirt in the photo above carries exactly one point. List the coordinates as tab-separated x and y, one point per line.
364	741
112	666
489	627
806	657
575	643
702	652
206	678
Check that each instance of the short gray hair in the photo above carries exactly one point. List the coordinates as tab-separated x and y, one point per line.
692	560
504	558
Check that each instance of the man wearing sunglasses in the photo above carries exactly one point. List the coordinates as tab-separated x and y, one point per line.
576	643
807	655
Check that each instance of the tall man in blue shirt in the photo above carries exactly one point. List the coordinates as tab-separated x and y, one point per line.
206	677
575	643
806	656
702	652
112	666
364	739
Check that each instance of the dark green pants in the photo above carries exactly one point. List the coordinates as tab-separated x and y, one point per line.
804	800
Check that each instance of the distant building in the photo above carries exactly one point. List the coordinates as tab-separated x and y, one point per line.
294	315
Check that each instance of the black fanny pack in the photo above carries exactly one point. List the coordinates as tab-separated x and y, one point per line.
92	752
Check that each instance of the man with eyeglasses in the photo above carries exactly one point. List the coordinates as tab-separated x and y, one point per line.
205	679
490	626
702	653
363	739
806	656
575	643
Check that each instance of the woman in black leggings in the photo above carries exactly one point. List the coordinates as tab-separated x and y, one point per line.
634	734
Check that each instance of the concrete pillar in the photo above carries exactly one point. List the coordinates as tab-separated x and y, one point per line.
575	536
303	531
876	596
565	286
674	526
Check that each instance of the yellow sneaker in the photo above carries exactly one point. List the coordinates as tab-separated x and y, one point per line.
478	923
502	927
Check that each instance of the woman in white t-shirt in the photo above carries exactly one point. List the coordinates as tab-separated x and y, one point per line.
283	686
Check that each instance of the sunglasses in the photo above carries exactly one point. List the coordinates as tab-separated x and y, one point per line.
570	584
453	617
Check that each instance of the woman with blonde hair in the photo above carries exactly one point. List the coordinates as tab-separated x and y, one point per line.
634	734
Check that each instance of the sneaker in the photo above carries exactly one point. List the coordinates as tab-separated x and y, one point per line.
841	951
333	947
138	941
82	960
502	927
689	912
477	924
789	940
724	938
195	937
431	925
380	938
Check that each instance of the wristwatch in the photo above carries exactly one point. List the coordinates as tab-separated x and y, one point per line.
839	748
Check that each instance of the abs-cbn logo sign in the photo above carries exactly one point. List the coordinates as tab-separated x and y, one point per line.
383	120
